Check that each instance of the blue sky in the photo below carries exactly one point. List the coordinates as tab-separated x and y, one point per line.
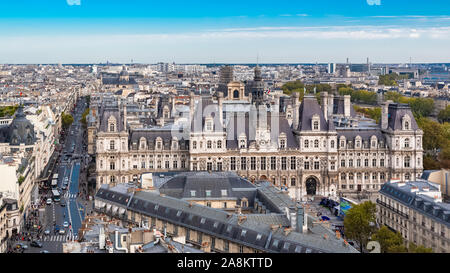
85	31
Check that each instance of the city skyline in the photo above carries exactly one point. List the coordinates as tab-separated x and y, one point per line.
69	31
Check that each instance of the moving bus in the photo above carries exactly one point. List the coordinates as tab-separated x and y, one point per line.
54	183
56	195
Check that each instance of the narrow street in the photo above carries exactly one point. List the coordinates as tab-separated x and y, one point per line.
74	200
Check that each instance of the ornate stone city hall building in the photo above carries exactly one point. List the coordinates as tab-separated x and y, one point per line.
301	146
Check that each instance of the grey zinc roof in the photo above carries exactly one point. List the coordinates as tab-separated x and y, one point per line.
107	113
308	109
181	186
439	211
240	123
222	224
152	134
365	134
395	114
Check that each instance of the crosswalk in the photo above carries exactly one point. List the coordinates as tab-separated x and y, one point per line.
59	238
68	195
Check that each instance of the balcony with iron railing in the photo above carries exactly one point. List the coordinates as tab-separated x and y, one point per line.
392	208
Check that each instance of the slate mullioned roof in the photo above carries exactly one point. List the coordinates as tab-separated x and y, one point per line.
255	234
240	123
396	112
308	109
182	185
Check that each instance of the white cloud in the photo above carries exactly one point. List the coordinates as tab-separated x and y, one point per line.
73	2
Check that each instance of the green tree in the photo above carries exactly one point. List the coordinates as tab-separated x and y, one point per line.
294	86
359	223
6	111
393	96
444	114
373	113
389	241
434	135
413	248
361	96
67	120
421	106
83	117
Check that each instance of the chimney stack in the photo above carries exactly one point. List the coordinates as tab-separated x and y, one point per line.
384	114
347	105
220	99
324	97
296	105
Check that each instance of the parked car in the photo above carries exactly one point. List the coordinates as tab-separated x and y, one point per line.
36	244
22	246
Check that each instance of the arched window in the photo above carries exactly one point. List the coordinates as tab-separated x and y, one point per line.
209	144
406	142
293	182
236	94
111	127
219	144
306	143
316	143
406	125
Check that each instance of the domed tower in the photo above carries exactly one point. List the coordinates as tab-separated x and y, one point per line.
124	75
257	87
21	131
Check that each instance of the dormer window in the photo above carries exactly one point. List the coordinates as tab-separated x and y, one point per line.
112	124
315	123
209	125
175	143
142	143
406	120
242	141
282	144
158	143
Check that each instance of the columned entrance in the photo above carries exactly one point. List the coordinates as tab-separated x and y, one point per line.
311	186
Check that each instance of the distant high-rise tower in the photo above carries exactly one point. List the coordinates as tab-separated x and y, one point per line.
225	77
331	68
